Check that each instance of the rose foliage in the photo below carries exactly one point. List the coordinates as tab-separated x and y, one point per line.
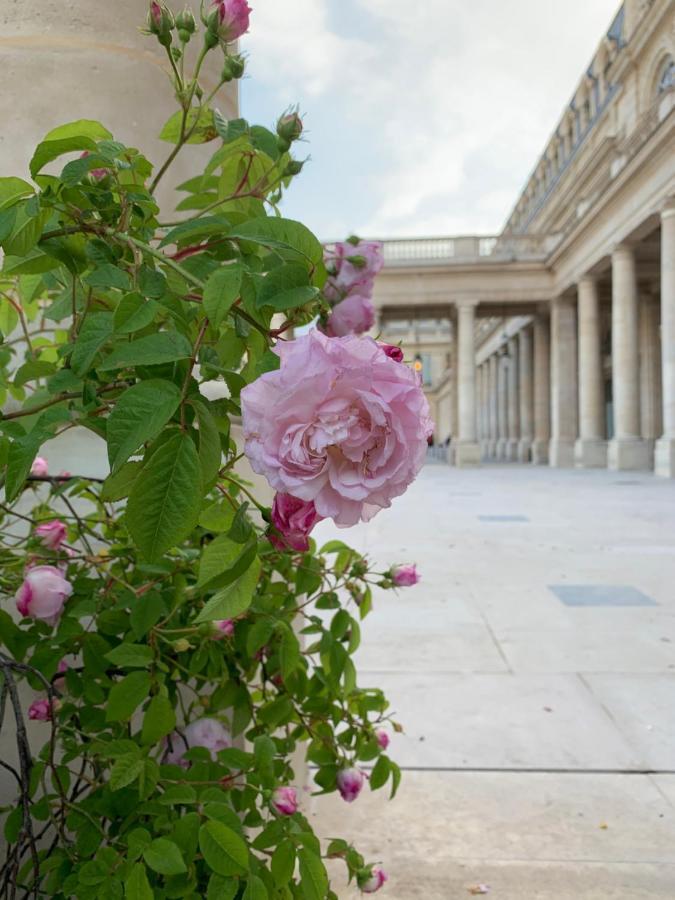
179	642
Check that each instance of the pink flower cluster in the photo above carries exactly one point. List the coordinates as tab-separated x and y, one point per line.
340	424
352	266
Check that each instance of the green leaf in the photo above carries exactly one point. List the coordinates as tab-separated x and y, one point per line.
133	313
285	288
285	234
313	878
224	851
165	501
13	189
217	557
195	230
199	122
80	135
222	888
118	486
255	889
210	450
139	415
264	751
178	795
135	656
25	233
126	696
289	652
234	599
22	452
159	720
145	613
125	771
283	863
95	331
163	856
380	773
151	350
108	276
137	886
221	290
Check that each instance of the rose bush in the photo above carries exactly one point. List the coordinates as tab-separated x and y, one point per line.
181	645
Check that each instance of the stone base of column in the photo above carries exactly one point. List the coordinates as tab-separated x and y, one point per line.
590	454
629	454
561	454
540	453
524	450
467	454
491	451
512	450
664	458
501	451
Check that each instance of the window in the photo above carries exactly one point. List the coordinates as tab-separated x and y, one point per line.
667	78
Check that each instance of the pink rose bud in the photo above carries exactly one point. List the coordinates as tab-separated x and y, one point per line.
39	467
393	352
405	576
374	882
232	19
208	733
350	783
96	174
43	594
285	801
294	520
51	534
160	22
336	424
354	315
383	738
43	710
289	127
222	628
61	669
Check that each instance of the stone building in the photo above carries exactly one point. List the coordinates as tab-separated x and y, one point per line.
554	342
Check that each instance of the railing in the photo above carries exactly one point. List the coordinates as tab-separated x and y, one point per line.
399	252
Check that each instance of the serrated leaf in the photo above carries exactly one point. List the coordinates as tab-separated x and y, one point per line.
285	288
95	331
210	450
151	350
107	277
220	888
380	773
126	696
137	886
165	501
199	125
22	452
13	189
25	233
146	612
158	721
118	486
255	889
139	416
135	656
234	599
283	863
178	794
80	135
281	233
125	771
133	313
313	878
164	856
221	291
217	557
224	851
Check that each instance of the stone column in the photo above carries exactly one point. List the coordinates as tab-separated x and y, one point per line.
542	391
468	451
591	448
651	400
563	383
627	450
502	408
513	401
480	429
526	394
665	447
494	407
454	406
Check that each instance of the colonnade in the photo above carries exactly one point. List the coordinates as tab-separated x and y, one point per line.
540	395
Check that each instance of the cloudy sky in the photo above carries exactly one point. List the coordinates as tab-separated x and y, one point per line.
424	117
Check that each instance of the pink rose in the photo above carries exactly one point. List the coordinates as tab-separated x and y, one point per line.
293	519
357	264
350	783
208	733
339	423
222	628
233	19
51	534
43	594
392	352
285	801
382	738
372	884
354	315
405	576
39	468
43	710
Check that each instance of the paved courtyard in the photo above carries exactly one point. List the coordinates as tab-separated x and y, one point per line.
534	672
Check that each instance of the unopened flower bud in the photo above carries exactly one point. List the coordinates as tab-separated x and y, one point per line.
43	710
382	738
181	645
294	167
350	782
285	801
185	21
160	23
405	576
289	127
372	880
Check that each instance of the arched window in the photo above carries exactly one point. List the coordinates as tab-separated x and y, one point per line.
666	79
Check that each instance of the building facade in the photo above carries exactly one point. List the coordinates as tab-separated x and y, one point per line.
555	340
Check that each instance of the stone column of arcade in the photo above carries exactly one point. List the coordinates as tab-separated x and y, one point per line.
494	411
665	447
542	391
563	383
526	394
513	402
502	408
591	448
468	451
627	450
